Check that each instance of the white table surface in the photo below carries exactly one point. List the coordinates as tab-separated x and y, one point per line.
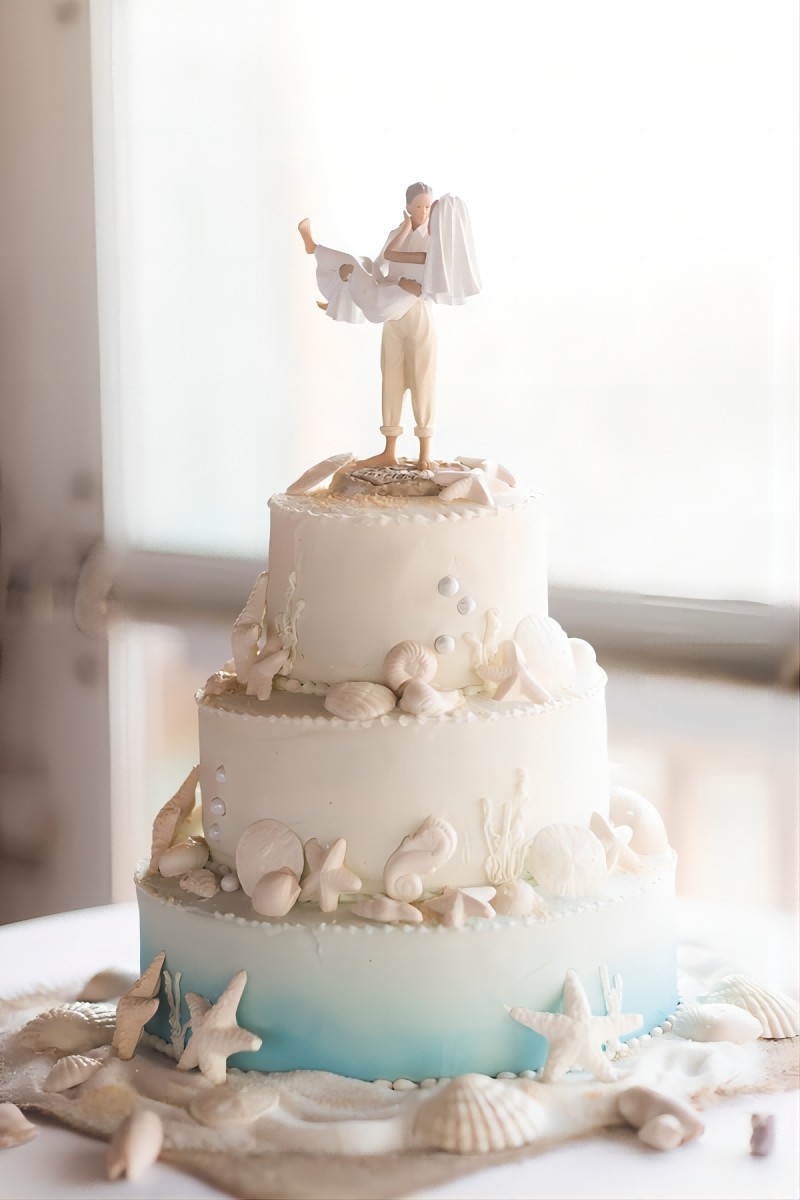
59	1164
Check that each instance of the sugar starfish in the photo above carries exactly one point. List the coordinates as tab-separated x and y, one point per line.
508	670
619	856
327	875
136	1007
215	1033
576	1037
456	905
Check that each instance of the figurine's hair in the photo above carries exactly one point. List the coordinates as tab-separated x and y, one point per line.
417	189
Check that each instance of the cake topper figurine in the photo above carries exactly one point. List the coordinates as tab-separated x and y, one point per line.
428	258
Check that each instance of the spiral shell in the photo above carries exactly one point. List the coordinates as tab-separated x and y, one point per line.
409	660
567	860
15	1128
420	853
70	1029
422	700
276	893
629	808
265	847
201	882
183	857
135	1144
359	701
778	1013
70	1071
716	1023
475	1114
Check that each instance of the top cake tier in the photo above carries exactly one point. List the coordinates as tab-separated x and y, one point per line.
350	577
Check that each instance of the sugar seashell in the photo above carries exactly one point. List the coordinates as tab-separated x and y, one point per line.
662	1133
70	1029
383	908
615	843
359	701
136	1007
547	653
15	1128
321	472
221	1106
276	893
475	1115
135	1144
567	860
716	1023
584	659
629	808
107	984
640	1105
221	683
778	1013
420	853
230	882
183	857
265	847
248	627
409	660
176	810
70	1071
422	700
201	882
518	899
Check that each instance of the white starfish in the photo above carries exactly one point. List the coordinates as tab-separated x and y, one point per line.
266	666
508	671
456	905
136	1007
619	856
327	875
477	484
576	1037
215	1033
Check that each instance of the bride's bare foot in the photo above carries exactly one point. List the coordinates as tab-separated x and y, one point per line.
305	233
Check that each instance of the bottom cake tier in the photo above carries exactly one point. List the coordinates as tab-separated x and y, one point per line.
338	993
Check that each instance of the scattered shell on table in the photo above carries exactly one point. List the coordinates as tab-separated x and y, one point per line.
15	1128
422	700
135	1144
639	1105
649	833
359	701
70	1071
409	660
183	857
178	809
518	899
778	1013
107	984
224	1105
383	908
70	1029
547	653
265	847
662	1133
475	1114
567	860
276	893
420	853
321	472
201	882
716	1023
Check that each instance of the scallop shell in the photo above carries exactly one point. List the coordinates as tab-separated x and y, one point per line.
70	1029
135	1144
383	908
321	472
107	984
409	660
70	1071
475	1114
185	856
264	847
778	1013
223	1105
275	893
420	853
422	700
177	809
716	1023
629	808
567	860
201	882
518	899
547	653
15	1128
359	701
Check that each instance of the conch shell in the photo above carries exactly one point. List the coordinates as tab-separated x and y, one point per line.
70	1029
135	1144
567	860
176	810
276	893
778	1013
383	908
422	700
409	660
475	1115
264	847
185	856
15	1128
248	627
70	1071
201	882
420	853
359	701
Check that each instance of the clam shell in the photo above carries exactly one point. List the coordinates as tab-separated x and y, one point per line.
420	853
383	908
409	660
135	1144
359	701
778	1013
716	1023
475	1114
70	1029
15	1128
183	857
321	472
201	882
70	1071
107	984
629	808
547	653
422	700
265	847
518	899
276	893
224	1105
567	860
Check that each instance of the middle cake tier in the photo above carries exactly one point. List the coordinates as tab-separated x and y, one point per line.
496	771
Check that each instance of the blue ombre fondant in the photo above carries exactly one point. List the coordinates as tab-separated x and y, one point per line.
383	1001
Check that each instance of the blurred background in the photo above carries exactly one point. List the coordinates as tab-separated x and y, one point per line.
631	167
